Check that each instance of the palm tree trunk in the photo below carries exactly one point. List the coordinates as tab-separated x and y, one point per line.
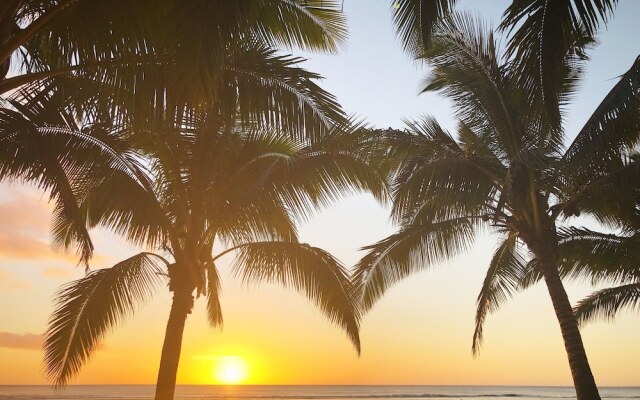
180	308
583	380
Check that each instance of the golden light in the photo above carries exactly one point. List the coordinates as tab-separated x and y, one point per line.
231	370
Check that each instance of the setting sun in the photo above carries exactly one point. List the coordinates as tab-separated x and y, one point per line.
231	370
319	199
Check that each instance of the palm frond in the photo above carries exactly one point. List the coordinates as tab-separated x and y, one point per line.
294	179
407	251
44	116
69	223
612	198
240	203
71	164
199	36
214	287
606	303
259	218
599	257
443	180
595	257
442	189
612	129
532	275
503	277
317	25
273	90
116	203
307	269
30	154
59	34
338	165
56	36
547	37
466	69
415	21
88	308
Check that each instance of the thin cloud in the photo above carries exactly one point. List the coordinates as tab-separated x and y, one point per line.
57	273
24	232
25	226
24	212
22	246
26	341
9	281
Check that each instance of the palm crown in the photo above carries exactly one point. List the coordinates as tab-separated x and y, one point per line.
47	138
81	38
80	66
541	32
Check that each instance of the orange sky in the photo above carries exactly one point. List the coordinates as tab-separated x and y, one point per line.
419	333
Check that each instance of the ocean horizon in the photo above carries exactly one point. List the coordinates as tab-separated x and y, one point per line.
307	392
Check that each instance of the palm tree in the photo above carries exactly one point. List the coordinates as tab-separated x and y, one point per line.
144	155
540	32
507	170
211	183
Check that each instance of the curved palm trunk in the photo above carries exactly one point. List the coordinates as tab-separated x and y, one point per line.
180	308
583	380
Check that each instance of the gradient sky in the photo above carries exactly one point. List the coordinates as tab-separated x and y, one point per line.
419	333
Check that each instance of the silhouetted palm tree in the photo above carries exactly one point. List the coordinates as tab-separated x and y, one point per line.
212	182
507	170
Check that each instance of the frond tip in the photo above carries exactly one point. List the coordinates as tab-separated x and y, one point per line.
606	303
214	308
503	278
307	269
88	307
410	250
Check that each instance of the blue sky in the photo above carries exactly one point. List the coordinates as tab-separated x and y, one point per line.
376	81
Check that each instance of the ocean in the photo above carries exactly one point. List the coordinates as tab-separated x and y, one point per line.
202	392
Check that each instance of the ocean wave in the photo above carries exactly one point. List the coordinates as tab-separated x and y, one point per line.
333	396
298	397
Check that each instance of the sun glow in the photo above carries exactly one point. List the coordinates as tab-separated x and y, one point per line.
231	370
